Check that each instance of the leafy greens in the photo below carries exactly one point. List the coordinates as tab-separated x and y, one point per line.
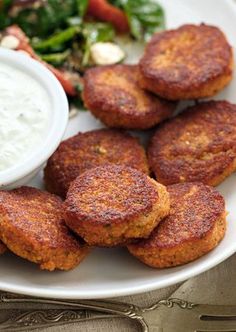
51	16
145	16
61	36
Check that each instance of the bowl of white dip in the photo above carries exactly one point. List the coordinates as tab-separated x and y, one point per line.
33	117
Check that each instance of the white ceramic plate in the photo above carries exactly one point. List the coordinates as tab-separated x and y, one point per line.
113	272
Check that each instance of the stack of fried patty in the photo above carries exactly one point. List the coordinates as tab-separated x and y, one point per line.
162	206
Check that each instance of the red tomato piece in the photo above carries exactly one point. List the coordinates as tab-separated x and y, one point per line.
104	11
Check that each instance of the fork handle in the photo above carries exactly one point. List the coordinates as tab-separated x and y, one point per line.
26	320
105	306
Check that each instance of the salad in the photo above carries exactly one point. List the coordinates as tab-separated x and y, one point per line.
70	36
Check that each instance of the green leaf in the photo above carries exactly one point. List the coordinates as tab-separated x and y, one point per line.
136	27
145	16
56	59
49	17
79	88
56	40
82	6
78	103
98	32
5	4
4	7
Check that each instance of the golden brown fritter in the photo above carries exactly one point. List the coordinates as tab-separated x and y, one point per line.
32	226
112	94
3	248
91	149
198	145
109	205
195	225
193	61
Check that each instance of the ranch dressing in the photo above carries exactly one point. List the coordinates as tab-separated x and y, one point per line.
24	115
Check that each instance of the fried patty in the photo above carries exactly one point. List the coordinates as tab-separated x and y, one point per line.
109	205
87	150
193	61
195	225
198	145
112	94
32	226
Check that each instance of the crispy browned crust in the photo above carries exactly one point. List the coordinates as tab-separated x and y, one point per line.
3	248
198	145
112	94
32	226
193	61
195	225
87	150
111	204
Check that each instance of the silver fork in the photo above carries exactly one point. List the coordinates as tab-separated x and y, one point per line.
169	315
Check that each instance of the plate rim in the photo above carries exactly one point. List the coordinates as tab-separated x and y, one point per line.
125	291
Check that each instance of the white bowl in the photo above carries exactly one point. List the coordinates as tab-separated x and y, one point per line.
23	171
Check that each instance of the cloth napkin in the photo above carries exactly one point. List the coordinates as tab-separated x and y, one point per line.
216	286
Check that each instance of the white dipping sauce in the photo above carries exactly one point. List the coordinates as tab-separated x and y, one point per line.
24	115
